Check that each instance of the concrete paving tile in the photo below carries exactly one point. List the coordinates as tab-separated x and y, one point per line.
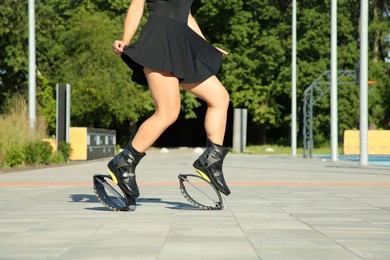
298	253
358	235
207	250
208	229
371	254
283	234
124	239
30	238
374	218
20	252
111	252
366	246
331	220
345	227
292	244
272	225
9	225
206	238
289	238
278	221
204	234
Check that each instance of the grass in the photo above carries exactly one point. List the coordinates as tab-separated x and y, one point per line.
15	127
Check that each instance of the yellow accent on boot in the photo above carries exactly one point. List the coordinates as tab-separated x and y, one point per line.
114	179
204	176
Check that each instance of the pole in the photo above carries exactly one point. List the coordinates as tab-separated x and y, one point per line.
240	129
31	65
363	82
294	82
333	87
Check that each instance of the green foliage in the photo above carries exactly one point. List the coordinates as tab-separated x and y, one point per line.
13	45
257	71
97	77
38	152
74	41
14	156
46	102
57	159
15	126
21	146
189	103
64	150
35	153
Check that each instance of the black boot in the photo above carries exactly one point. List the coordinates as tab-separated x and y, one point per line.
122	169
209	166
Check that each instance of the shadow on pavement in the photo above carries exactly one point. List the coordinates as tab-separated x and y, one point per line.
88	198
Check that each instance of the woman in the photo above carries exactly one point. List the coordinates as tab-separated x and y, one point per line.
172	51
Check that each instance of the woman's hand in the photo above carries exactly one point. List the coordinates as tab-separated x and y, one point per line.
118	47
222	51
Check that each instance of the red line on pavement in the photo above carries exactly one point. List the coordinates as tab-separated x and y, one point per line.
291	183
44	184
171	183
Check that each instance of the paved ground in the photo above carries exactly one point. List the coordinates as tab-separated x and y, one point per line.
280	208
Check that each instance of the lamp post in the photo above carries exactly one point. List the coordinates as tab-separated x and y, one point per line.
333	86
31	65
294	81
363	82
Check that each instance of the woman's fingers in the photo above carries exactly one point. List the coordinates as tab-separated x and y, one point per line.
222	51
118	47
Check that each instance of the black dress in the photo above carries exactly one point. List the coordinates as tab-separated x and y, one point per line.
167	44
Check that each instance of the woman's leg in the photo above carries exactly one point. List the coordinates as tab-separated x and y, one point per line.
166	96
217	99
209	164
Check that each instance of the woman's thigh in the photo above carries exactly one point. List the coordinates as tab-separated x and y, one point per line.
211	91
165	91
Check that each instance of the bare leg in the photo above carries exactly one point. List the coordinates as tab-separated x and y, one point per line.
166	96
210	162
217	99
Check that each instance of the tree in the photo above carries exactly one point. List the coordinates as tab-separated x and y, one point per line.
13	43
98	78
257	71
74	41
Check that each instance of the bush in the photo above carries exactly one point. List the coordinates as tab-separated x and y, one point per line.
57	158
16	134
14	156
38	152
64	149
15	126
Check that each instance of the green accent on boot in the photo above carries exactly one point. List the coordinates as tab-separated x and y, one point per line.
203	175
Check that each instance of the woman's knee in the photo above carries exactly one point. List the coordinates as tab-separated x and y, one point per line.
211	91
226	97
168	117
221	100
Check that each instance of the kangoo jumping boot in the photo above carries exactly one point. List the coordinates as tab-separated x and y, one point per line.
209	166
122	169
